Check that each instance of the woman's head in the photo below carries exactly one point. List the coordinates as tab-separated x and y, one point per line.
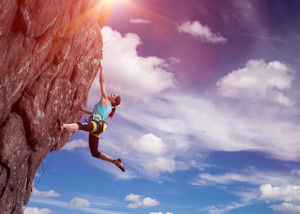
115	100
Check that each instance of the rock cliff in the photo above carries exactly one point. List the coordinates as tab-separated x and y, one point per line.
50	52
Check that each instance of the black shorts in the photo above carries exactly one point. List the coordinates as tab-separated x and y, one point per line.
94	127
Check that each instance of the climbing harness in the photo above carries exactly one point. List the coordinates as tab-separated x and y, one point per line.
98	126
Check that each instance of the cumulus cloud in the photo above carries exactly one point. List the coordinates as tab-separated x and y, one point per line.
150	144
45	194
79	202
259	80
139	21
138	201
289	195
200	31
151	150
35	210
78	143
127	73
158	165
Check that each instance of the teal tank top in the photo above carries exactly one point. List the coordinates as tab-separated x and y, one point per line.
102	111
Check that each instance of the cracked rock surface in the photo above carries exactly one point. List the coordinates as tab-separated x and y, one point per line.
50	53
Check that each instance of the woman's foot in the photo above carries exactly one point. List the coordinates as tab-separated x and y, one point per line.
118	163
60	124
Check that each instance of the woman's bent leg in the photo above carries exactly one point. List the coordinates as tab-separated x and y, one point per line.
93	144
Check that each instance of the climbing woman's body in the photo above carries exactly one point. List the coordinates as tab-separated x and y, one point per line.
95	126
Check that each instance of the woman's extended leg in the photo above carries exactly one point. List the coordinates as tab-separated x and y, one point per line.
86	126
71	126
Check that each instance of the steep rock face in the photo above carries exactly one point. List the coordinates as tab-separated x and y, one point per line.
50	52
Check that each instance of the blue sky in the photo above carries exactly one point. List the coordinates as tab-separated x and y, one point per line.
209	118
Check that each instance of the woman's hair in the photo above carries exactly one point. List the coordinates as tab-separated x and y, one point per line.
116	102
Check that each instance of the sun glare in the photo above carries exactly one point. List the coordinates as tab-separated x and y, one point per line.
116	1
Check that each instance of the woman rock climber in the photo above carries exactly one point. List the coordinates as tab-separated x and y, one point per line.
96	125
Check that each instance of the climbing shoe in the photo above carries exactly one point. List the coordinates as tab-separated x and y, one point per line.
60	124
118	163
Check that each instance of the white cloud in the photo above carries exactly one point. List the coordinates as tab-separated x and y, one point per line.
66	205
78	143
150	150
138	201
128	73
150	144
228	178
200	31
139	21
259	80
158	165
286	208
159	213
45	194
35	210
79	202
247	197
286	193
220	209
289	195
249	177
133	198
174	60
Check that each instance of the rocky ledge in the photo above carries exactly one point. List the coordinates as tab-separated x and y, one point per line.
50	52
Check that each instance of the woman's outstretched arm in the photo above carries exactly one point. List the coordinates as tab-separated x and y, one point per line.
89	112
102	84
104	98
